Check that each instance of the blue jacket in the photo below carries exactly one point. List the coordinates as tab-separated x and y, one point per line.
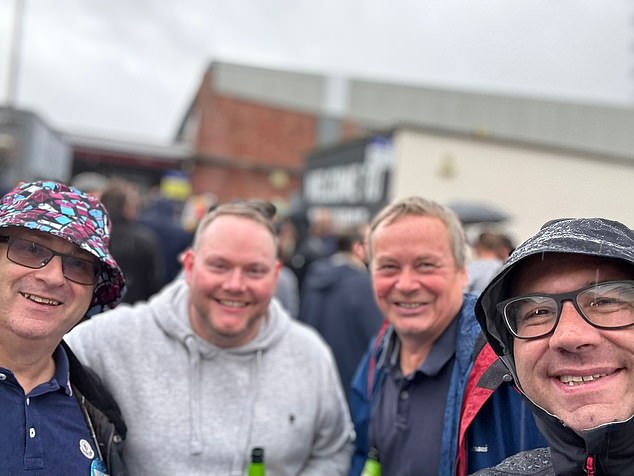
478	433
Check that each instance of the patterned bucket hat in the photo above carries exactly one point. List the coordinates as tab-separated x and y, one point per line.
75	216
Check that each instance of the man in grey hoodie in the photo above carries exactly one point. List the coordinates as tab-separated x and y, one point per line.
212	367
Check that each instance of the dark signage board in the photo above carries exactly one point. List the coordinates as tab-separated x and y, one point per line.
351	180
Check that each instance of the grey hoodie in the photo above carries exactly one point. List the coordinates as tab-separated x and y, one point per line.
195	409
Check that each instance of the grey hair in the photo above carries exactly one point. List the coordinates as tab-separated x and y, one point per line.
418	206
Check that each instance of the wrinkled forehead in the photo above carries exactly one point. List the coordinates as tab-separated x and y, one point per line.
544	267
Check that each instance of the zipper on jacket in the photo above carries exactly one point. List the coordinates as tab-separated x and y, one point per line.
589	469
91	427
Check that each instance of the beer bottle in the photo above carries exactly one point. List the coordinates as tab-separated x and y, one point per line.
372	465
256	467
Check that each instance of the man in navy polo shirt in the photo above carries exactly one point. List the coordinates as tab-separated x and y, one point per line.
55	270
429	397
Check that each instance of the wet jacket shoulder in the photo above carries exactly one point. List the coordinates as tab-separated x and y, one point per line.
607	449
102	412
535	462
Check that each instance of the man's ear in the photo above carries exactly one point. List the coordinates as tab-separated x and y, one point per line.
187	260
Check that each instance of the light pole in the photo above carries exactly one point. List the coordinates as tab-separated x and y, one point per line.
14	53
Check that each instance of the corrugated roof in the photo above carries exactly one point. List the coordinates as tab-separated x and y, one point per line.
590	128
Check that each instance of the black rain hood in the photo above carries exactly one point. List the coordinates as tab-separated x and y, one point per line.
583	236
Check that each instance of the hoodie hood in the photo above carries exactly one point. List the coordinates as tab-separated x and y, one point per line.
173	304
170	307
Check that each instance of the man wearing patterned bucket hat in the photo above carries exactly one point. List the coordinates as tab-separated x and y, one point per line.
560	314
55	270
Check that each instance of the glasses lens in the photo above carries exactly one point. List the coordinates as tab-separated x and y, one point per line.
79	270
33	255
28	253
531	316
609	304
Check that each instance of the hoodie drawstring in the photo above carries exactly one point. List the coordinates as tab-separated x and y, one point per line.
247	422
195	440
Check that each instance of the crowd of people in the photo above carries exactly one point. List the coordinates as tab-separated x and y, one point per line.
155	350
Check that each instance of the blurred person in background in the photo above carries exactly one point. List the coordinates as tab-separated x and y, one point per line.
287	291
490	250
55	270
338	301
92	183
136	247
315	240
163	215
429	395
236	371
560	315
287	236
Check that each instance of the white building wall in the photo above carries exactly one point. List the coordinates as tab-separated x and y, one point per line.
532	185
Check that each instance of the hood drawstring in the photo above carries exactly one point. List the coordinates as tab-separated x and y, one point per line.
195	440
589	469
246	424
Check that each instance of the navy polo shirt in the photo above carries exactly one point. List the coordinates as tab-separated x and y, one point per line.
408	419
44	432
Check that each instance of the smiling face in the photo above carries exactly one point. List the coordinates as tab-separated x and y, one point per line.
40	303
232	276
581	374
416	282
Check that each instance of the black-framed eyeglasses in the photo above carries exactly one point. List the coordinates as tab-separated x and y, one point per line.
607	305
35	256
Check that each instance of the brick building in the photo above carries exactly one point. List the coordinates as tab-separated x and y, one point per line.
250	130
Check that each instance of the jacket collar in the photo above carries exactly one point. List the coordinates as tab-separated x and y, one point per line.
610	445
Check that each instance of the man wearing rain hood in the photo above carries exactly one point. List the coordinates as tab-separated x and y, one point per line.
560	314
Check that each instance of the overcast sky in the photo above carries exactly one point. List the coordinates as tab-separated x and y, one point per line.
128	69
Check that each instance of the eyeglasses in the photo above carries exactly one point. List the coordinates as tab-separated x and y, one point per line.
607	305
35	256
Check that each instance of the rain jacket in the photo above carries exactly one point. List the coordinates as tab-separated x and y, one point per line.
480	404
193	408
606	450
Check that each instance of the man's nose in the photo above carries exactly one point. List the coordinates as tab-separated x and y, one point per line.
235	280
573	332
53	271
407	280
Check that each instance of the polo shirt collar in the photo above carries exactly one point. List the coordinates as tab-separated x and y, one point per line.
62	370
442	351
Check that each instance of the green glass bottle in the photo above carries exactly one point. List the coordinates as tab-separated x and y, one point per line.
256	467
372	465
